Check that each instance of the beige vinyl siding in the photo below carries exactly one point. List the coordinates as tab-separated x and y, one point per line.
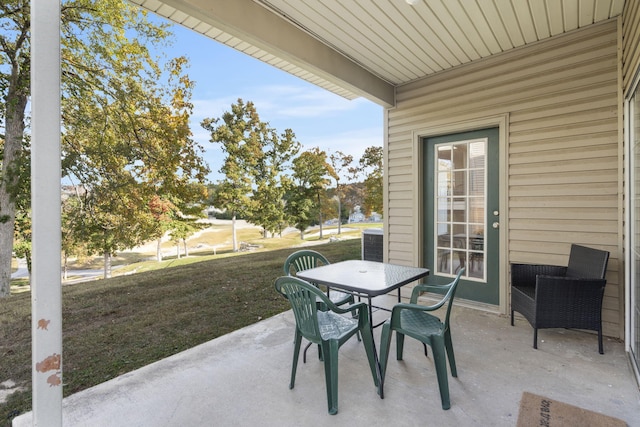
563	159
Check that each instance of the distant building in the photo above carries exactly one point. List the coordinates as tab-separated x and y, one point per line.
358	216
375	217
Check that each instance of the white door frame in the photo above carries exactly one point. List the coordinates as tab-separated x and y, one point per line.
436	129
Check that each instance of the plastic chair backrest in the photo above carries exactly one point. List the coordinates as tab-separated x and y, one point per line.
303	260
302	296
587	263
451	292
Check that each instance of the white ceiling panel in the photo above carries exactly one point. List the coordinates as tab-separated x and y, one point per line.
392	39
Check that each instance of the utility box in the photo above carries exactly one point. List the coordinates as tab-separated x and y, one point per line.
372	244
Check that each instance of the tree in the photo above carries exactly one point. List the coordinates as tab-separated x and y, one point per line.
179	223
129	150
240	133
371	165
107	221
271	182
340	162
163	212
310	171
126	134
181	229
22	245
14	86
353	196
254	167
22	236
299	207
72	242
105	59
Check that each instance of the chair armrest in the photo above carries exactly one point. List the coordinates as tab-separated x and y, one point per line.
416	307
525	274
333	307
574	286
323	299
563	293
348	308
569	302
424	287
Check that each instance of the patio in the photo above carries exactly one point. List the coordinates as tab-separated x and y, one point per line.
241	379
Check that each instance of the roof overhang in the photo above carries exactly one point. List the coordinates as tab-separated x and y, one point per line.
247	26
369	47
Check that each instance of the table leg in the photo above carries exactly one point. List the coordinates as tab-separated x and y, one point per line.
375	350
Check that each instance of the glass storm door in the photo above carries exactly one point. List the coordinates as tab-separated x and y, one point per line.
461	212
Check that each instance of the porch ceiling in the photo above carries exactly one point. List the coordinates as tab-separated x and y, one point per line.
368	47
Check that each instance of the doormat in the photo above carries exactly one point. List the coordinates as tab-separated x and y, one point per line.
540	411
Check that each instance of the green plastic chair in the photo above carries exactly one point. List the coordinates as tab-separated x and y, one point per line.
413	320
329	329
304	260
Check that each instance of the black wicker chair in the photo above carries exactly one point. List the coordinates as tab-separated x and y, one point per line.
550	296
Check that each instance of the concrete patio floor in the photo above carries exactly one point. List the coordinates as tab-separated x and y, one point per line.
241	379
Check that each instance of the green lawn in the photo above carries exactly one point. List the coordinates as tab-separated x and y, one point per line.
116	325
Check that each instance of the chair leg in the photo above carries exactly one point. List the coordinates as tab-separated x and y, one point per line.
367	340
296	353
399	345
330	348
448	343
440	362
426	353
535	338
304	353
511	317
385	346
354	315
600	348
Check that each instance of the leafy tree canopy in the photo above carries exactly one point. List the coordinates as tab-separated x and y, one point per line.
125	118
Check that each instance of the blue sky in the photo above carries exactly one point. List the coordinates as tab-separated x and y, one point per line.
318	117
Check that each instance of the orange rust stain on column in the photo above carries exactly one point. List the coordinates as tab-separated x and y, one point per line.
50	363
43	324
54	380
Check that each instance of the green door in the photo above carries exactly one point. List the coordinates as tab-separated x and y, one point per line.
461	212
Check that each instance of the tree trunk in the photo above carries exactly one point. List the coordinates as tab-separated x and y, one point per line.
159	249
320	215
14	129
186	251
27	258
65	266
339	216
178	249
233	232
107	265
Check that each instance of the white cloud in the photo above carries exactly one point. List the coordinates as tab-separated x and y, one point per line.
353	142
290	101
210	108
280	101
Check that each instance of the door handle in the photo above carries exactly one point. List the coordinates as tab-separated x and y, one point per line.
495	224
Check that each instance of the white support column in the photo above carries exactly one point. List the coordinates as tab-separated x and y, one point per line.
46	294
